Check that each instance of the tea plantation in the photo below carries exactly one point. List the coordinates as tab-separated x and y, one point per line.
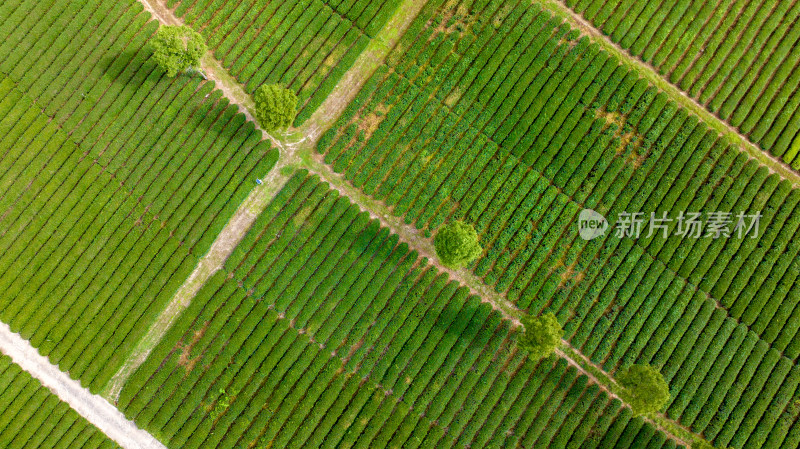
32	417
323	330
228	287
115	181
738	58
305	45
476	118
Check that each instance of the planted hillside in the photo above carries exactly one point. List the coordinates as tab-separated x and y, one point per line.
116	179
32	417
496	114
324	331
738	58
305	45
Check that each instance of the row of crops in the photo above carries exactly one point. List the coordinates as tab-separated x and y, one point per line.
306	45
115	179
495	113
738	58
32	417
324	331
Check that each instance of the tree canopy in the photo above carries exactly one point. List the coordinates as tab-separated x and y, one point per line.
542	335
276	106
457	244
645	388
177	48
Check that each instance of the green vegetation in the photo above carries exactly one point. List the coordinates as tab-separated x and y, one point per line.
705	445
177	49
31	417
542	335
332	333
645	388
116	179
474	117
305	45
323	329
457	244
275	107
737	58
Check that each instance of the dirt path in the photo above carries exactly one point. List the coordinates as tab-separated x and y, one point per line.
649	72
352	81
299	152
365	65
94	408
424	246
220	250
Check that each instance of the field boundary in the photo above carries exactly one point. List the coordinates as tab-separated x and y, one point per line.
297	151
236	228
94	408
646	70
220	250
424	246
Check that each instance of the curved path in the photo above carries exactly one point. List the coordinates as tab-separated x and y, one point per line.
94	408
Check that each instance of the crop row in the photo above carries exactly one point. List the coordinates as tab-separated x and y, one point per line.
738	58
306	45
454	187
324	329
32	417
108	206
515	127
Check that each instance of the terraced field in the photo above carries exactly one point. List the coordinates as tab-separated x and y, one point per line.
493	113
737	58
304	45
323	330
115	179
32	417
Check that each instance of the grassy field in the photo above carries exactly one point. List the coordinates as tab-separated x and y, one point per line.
306	45
323	330
738	58
494	113
115	179
32	417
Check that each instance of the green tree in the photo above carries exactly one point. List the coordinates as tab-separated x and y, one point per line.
276	106
645	389
542	335
177	49
457	244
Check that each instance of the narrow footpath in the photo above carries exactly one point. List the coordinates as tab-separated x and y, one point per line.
297	151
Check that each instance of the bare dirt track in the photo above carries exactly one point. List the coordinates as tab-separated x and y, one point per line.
243	218
298	151
94	408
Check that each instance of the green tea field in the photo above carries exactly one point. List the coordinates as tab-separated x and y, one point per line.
399	224
737	58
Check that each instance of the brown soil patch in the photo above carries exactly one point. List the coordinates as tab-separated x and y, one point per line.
370	122
451	19
186	349
569	273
